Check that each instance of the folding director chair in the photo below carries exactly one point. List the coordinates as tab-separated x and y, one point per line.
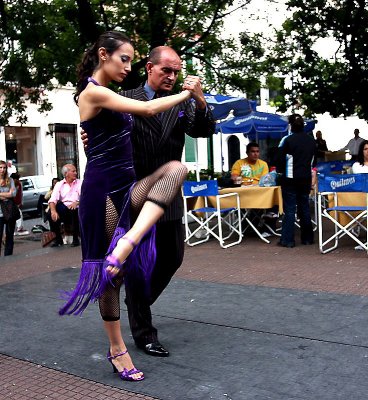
331	208
210	220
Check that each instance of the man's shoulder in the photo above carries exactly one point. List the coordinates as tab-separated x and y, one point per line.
134	93
262	162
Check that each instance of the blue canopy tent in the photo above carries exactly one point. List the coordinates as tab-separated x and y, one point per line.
222	105
260	125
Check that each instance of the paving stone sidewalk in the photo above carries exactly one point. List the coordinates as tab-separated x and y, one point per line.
252	263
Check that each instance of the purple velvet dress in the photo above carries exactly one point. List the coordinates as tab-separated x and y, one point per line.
109	174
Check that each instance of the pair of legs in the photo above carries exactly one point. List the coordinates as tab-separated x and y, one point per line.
69	217
296	199
170	253
9	235
150	196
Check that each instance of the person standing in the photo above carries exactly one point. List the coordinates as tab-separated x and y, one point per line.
156	141
7	193
295	160
321	146
353	145
18	200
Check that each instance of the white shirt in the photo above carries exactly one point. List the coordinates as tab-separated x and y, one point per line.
359	168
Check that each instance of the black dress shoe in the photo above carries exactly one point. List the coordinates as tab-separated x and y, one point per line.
57	244
154	349
288	245
75	243
307	242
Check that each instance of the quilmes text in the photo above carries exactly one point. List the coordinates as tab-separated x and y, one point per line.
195	189
342	182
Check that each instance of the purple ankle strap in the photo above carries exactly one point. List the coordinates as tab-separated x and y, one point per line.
133	244
110	357
113	260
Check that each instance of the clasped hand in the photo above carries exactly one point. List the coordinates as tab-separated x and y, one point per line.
193	84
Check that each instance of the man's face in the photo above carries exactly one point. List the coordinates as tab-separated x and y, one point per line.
253	154
356	133
71	175
163	75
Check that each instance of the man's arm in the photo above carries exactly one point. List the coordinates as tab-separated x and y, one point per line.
55	197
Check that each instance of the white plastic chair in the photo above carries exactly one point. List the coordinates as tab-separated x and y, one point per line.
213	219
329	187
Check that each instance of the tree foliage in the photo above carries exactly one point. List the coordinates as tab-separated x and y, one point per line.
321	82
42	42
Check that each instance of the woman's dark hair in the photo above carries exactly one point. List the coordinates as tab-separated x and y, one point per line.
360	156
52	182
296	122
111	41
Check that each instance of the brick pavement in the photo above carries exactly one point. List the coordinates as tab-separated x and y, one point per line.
251	263
23	380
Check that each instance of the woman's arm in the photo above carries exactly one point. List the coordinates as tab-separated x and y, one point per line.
99	97
11	193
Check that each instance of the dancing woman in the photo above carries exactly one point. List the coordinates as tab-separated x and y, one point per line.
111	199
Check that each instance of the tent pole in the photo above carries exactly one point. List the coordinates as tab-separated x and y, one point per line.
196	157
222	157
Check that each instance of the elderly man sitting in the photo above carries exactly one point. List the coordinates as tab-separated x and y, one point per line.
64	203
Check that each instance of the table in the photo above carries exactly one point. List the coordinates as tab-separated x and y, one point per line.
254	196
251	197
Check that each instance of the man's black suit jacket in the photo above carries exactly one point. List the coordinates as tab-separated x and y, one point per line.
159	139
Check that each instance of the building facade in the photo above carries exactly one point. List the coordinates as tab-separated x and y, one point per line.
47	141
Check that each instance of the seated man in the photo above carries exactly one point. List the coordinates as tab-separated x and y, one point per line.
63	203
250	168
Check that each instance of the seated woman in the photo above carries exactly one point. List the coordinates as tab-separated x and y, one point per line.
361	166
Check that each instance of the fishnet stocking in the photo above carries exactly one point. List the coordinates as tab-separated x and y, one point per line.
109	302
160	187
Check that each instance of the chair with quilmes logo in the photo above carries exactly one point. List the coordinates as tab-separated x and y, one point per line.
342	201
210	219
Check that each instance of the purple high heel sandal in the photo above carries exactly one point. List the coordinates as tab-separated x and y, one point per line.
113	261
125	375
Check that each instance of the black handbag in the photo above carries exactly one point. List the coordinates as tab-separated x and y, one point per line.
10	210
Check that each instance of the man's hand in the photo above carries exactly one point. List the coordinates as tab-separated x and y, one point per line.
193	84
54	215
74	205
84	138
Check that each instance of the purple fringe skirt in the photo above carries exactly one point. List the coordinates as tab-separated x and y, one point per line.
93	279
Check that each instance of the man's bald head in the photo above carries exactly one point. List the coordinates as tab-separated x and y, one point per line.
163	68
